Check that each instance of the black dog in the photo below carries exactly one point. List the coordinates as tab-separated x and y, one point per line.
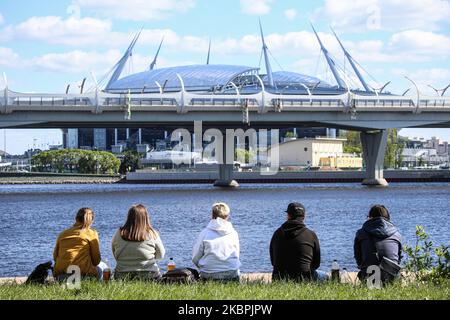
40	274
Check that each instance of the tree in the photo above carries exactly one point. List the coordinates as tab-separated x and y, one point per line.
290	134
394	150
244	156
421	161
131	162
353	143
82	161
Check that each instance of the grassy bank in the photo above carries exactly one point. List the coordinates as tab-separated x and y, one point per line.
251	291
56	178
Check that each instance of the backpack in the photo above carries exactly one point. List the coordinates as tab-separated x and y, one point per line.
40	274
180	276
390	270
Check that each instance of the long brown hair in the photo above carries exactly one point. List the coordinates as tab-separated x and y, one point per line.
137	227
85	217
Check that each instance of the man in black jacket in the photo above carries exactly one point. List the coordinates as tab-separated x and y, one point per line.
377	238
294	249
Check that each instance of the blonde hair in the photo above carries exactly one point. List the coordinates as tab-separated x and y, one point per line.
137	228
85	217
220	210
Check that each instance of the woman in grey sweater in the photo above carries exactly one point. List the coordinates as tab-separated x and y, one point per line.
137	246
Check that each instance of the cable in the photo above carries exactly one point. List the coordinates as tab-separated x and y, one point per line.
260	59
317	62
273	57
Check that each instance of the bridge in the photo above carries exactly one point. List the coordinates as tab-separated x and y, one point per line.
372	115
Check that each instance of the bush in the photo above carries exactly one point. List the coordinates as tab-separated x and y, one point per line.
74	160
424	261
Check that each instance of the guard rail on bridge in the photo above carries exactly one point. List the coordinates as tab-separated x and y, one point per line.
183	102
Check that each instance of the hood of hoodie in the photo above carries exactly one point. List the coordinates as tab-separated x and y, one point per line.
380	228
292	228
221	226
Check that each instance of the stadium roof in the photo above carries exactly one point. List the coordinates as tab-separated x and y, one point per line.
206	78
195	77
284	78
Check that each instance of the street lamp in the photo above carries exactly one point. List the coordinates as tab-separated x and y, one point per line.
417	91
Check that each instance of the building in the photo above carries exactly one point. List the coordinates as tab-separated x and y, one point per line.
419	152
421	157
315	152
3	164
113	139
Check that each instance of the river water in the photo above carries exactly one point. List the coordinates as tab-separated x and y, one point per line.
32	216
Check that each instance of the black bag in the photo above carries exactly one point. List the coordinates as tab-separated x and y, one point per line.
39	274
180	275
390	269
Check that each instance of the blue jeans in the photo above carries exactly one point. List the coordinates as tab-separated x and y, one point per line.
232	275
321	276
100	268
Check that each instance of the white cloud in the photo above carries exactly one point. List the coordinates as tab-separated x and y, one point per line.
136	10
55	30
290	14
401	47
79	32
74	61
9	58
421	43
256	7
79	62
364	15
437	77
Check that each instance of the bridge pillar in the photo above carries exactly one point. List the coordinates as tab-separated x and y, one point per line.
226	170
374	147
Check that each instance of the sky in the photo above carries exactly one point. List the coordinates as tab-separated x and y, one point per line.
46	45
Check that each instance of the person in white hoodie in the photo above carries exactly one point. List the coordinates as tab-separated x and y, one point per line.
216	251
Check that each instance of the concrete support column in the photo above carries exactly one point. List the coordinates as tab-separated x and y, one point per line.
116	136
128	134
140	136
225	169
374	147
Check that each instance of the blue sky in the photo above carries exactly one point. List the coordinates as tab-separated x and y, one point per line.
63	41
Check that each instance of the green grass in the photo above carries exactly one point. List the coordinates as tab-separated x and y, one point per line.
217	291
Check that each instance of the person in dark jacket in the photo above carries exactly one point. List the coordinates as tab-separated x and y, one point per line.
377	238
295	249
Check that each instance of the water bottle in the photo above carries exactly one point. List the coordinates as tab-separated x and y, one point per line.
106	272
171	265
335	274
345	276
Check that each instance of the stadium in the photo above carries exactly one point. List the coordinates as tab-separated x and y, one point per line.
223	79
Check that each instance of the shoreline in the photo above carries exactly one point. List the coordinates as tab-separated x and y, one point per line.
209	177
7	178
259	277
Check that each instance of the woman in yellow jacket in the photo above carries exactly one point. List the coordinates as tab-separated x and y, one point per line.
79	246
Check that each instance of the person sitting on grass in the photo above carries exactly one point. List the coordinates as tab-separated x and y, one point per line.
216	251
136	247
79	246
295	249
377	238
